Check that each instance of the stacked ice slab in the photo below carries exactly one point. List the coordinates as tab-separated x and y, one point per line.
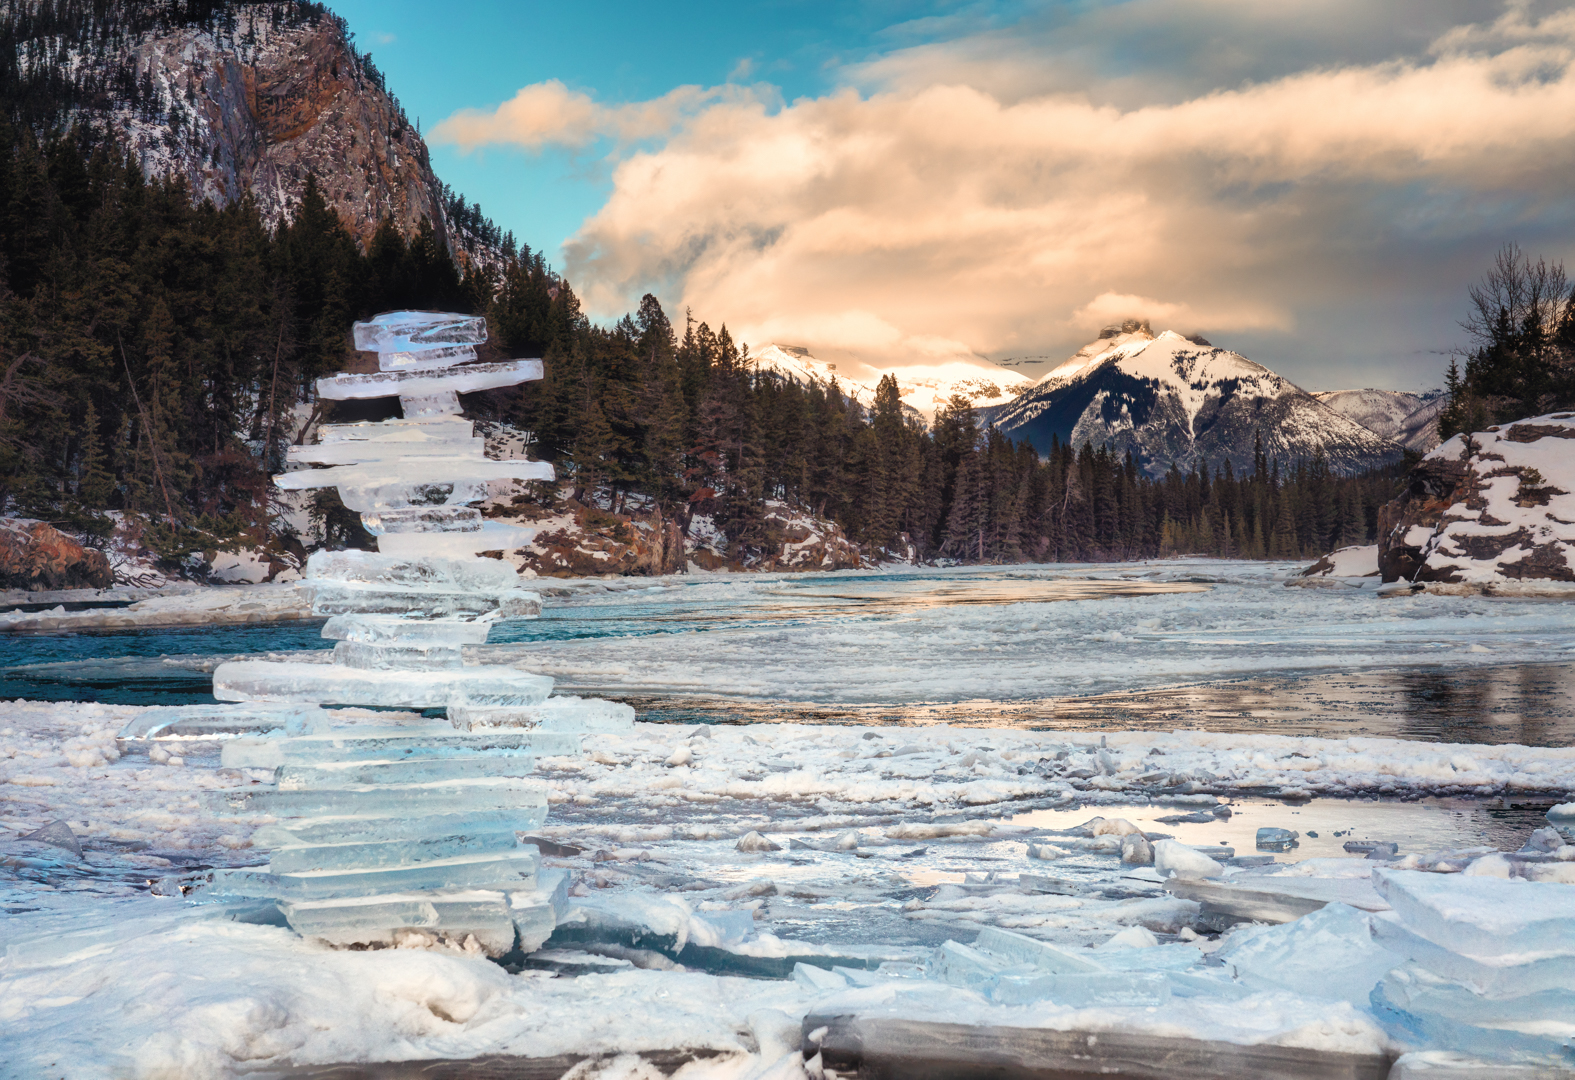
1490	963
384	830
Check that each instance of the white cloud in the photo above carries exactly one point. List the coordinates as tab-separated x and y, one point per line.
950	209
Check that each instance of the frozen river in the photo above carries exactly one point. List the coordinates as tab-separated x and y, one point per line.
1223	646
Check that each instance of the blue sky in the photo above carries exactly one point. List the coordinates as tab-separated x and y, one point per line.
1313	183
476	54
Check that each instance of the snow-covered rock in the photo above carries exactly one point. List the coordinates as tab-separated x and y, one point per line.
1174	400
1346	562
1494	509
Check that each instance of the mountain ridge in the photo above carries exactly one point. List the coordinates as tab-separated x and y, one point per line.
1176	400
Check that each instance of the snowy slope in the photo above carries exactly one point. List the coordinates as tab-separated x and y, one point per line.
1176	400
925	387
1408	419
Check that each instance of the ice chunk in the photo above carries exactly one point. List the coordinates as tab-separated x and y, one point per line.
1482	916
1013	948
1437	1013
298	777
1133	937
430	406
367	451
422	519
1136	850
818	978
721	929
345	598
1328	954
536	911
1497	976
262	680
1272	839
380	493
483	914
374	568
451	428
567	713
415	743
1175	859
56	834
419	474
753	842
416	331
408	633
295	857
205	721
389	657
1081	991
493	536
507	869
389	800
373	828
447	356
958	964
421	383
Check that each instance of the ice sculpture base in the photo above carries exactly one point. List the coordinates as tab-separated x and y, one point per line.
567	714
287	681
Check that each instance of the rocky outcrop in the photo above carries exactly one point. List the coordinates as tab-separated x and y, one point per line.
255	100
1493	507
37	557
575	540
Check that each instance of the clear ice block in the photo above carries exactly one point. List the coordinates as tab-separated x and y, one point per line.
414	472
1483	916
537	912
493	536
420	383
379	569
508	869
420	406
415	331
566	713
422	519
354	453
352	828
398	495
263	680
203	721
395	657
1083	991
483	914
296	857
301	776
392	744
454	429
388	800
447	356
412	633
339	598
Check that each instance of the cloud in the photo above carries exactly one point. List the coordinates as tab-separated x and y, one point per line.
550	114
943	212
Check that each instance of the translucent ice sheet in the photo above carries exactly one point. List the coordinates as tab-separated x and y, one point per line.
261	680
459	380
415	331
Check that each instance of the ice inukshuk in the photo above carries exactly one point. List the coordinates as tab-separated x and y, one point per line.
413	826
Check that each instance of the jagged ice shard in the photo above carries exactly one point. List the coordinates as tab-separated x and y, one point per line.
411	827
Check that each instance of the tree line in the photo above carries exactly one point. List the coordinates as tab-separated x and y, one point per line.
154	352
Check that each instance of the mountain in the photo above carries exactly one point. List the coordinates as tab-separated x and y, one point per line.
234	98
1408	419
1176	400
924	387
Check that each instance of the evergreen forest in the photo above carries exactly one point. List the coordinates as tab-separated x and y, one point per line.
158	356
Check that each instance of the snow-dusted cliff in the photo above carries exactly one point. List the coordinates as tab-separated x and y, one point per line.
252	99
1408	419
924	387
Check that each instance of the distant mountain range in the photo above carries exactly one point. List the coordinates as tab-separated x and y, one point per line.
1409	419
1171	399
924	387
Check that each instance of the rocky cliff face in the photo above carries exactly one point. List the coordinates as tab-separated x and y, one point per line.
253	100
1493	507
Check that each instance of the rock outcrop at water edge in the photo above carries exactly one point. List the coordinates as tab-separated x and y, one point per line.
1490	510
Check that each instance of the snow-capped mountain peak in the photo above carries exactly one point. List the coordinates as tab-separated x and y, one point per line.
924	386
1172	399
